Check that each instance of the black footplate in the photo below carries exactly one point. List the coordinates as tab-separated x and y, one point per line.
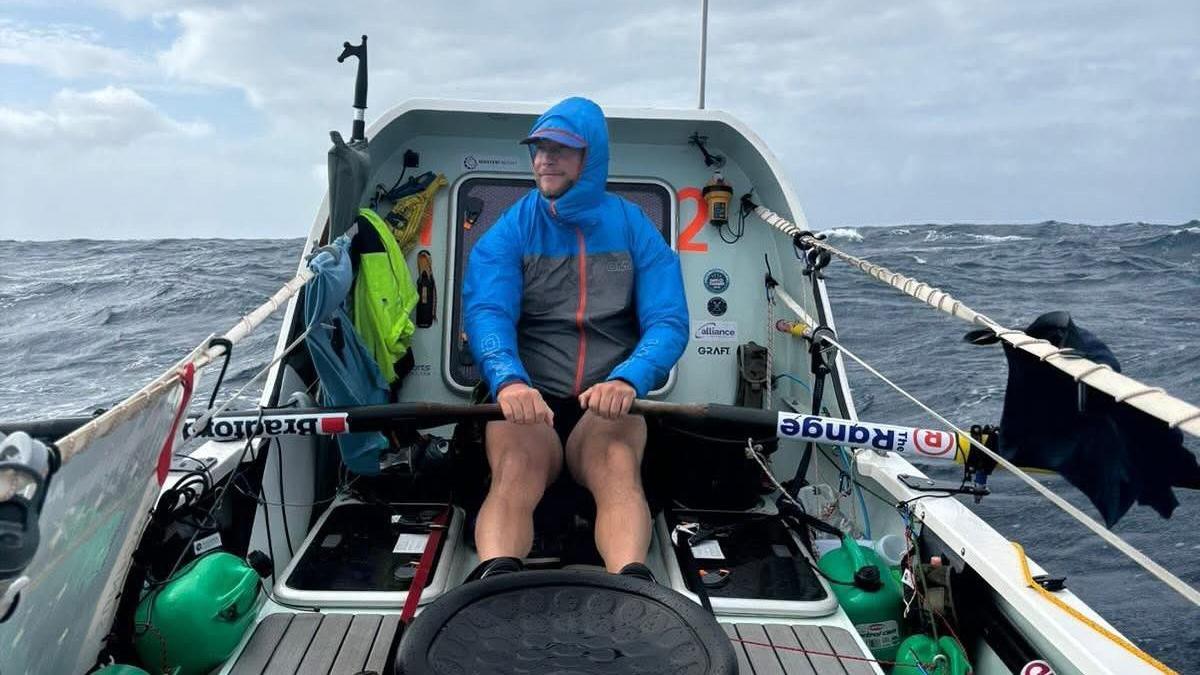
564	621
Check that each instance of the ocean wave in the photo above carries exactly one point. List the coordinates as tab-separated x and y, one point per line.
847	233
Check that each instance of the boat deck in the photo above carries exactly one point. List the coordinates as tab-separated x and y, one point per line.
800	649
312	643
337	644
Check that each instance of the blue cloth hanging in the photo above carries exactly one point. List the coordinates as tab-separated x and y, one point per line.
349	375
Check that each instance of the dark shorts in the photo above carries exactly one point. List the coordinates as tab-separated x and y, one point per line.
567	414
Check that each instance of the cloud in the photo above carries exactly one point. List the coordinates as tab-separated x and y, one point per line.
937	110
112	116
65	51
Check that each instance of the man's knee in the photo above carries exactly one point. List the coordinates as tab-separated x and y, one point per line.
522	461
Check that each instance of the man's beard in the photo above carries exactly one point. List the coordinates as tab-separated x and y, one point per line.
560	193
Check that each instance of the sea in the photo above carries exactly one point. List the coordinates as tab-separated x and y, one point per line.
84	323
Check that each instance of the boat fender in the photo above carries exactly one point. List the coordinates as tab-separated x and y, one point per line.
29	463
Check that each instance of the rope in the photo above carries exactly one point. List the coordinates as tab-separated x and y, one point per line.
1176	412
1120	544
1058	602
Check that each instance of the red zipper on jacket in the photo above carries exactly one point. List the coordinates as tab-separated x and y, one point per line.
579	312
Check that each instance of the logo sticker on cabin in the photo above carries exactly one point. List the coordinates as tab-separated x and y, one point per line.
716	281
717	306
714	331
491	163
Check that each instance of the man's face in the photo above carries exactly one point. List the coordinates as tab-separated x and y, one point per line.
556	167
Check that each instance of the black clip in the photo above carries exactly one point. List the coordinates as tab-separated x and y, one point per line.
1052	584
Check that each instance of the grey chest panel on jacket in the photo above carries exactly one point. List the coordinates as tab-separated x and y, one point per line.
556	308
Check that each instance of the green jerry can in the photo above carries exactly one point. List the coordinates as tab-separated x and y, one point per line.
922	655
872	597
196	620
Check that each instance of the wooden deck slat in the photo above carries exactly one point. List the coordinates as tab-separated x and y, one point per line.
794	662
267	634
291	649
739	650
377	661
762	657
843	642
325	645
353	654
811	638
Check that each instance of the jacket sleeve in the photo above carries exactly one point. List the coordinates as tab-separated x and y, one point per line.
661	307
492	304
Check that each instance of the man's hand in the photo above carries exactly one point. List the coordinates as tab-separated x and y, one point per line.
523	404
609	399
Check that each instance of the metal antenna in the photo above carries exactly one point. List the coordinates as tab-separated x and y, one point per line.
703	45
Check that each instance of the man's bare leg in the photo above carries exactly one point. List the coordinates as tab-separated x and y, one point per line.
605	456
525	458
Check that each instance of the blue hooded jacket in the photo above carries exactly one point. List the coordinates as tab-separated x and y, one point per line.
564	293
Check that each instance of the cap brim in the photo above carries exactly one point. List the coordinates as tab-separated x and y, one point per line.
561	136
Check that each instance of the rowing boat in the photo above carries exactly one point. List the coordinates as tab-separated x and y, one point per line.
756	480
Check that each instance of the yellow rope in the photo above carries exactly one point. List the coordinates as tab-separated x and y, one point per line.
1055	600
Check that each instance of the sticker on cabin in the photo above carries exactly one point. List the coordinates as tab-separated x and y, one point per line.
714	331
712	350
492	163
717	306
716	281
1037	668
709	549
413	544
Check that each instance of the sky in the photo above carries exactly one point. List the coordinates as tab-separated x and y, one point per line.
179	118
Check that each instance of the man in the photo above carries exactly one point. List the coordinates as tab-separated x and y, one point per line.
573	306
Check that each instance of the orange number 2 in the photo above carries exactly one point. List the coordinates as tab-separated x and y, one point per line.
685	244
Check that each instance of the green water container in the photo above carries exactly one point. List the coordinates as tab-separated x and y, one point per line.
921	655
197	619
875	601
121	669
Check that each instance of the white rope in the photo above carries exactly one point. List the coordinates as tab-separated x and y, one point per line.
1176	412
752	453
1120	544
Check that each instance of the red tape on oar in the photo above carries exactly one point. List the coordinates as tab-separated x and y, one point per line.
437	531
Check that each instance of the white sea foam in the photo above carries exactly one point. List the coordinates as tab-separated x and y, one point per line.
901	231
1187	230
847	233
920	260
997	238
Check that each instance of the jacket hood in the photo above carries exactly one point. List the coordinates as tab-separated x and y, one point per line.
582	118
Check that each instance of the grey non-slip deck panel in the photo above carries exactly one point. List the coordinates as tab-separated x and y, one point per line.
780	649
318	644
